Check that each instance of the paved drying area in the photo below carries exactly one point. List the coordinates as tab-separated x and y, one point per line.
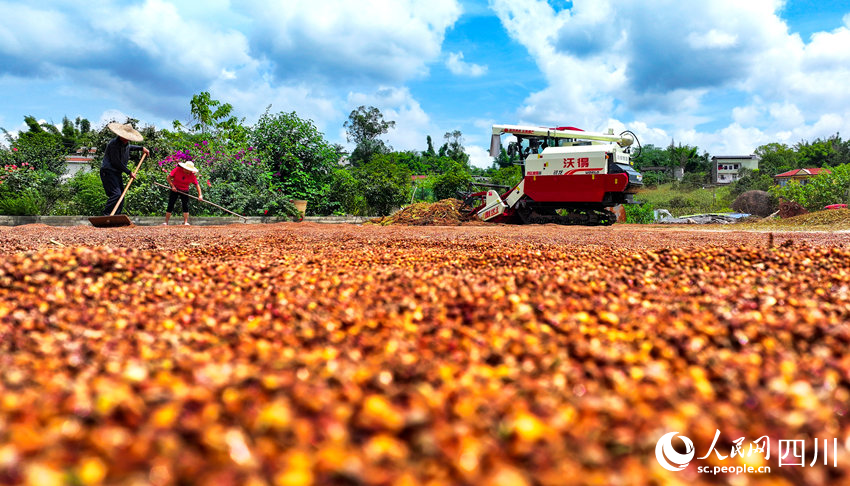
300	353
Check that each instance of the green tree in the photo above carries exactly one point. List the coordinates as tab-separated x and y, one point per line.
683	156
828	152
651	156
429	152
385	185
750	180
503	160
453	182
453	147
776	158
39	146
296	153
210	116
504	176
364	127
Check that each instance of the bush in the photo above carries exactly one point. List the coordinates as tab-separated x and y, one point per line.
28	190
86	194
639	213
27	203
347	192
385	185
506	176
655	178
819	191
694	180
759	203
297	155
452	183
751	180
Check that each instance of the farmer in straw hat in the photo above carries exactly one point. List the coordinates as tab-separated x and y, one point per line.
115	162
180	178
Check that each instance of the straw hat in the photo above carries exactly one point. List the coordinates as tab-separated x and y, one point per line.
125	131
188	165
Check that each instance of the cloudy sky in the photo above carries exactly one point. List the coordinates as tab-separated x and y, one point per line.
723	75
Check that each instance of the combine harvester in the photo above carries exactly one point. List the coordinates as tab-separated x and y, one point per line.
570	176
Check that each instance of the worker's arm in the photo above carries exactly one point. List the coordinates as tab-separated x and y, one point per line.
170	180
136	148
198	185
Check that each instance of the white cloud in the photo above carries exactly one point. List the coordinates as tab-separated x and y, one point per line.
479	156
711	39
459	67
368	40
662	65
413	124
186	47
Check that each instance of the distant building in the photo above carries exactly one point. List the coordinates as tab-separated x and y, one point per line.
800	175
79	162
726	169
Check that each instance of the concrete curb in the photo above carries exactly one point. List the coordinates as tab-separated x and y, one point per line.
175	220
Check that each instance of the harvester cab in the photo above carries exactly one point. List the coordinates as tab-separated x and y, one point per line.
570	176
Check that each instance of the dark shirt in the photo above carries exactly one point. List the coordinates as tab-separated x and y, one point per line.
117	154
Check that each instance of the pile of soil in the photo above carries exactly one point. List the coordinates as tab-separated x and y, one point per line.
441	213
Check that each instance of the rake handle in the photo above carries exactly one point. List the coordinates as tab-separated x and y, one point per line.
128	185
202	200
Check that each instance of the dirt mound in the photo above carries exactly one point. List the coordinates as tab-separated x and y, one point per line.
441	213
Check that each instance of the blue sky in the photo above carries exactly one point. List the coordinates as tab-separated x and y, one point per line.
726	76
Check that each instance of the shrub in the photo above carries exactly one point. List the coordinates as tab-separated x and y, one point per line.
694	180
751	180
639	213
819	191
384	184
28	190
452	183
86	194
759	203
27	203
655	178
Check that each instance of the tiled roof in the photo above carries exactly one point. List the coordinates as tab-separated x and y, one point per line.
803	172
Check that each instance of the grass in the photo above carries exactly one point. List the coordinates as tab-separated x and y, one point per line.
683	201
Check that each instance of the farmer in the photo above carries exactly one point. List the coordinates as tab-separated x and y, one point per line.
115	160
180	178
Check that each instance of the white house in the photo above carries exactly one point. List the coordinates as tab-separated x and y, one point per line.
726	169
80	162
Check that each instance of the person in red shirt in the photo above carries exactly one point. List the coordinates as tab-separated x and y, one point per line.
180	179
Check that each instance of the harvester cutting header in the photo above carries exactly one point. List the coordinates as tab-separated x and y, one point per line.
570	176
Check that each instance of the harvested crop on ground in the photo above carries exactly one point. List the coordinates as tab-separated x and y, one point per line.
445	212
300	353
825	220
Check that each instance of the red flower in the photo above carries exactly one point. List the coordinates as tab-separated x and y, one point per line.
266	212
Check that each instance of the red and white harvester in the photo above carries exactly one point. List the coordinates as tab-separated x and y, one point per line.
570	176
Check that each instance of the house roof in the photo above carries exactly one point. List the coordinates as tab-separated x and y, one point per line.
735	157
803	172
